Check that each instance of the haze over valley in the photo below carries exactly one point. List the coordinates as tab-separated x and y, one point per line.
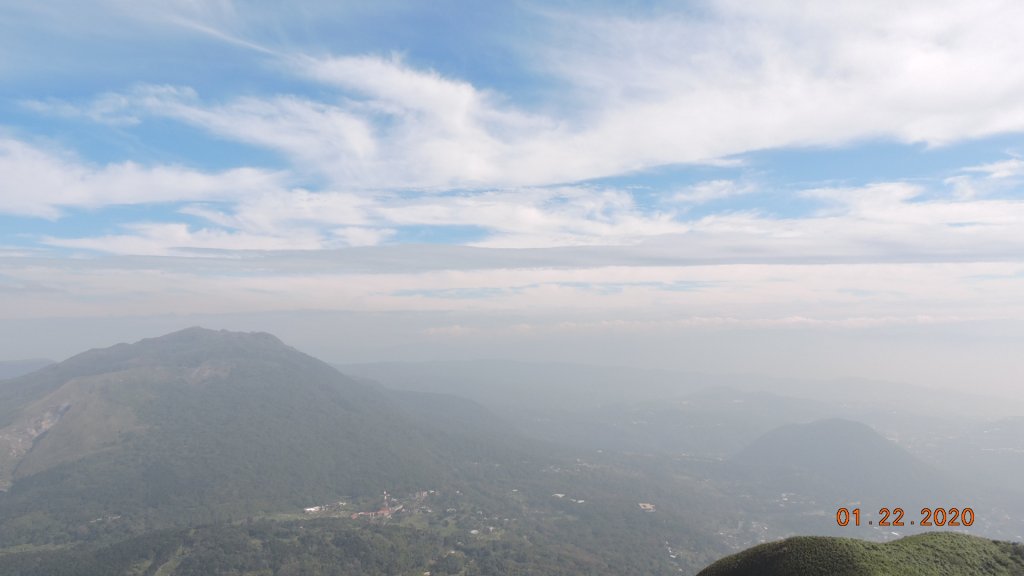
111	456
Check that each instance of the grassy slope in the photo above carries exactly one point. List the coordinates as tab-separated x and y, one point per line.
929	554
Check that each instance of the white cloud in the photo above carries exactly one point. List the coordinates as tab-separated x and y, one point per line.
1001	169
275	211
362	236
247	204
111	108
881	222
391	127
875	201
299	219
37	182
712	190
319	137
650	92
537	217
634	93
159	239
393	140
988	180
768	74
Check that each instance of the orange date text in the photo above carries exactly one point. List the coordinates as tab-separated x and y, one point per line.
897	517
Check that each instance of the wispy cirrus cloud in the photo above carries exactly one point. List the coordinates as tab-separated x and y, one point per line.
745	76
390	126
712	190
112	109
636	92
628	91
1000	169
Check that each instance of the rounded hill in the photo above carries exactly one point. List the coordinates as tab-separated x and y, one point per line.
931	554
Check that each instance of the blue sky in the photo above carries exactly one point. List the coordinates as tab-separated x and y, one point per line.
523	172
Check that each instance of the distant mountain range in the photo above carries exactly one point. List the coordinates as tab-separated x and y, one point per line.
580	387
673	413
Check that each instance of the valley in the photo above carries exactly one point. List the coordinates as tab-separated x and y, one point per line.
237	436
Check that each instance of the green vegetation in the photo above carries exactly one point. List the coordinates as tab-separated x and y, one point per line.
932	554
315	547
203	426
197	453
335	546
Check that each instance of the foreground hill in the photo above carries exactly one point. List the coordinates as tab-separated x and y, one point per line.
198	426
938	554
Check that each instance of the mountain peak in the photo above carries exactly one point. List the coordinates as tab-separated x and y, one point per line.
199	333
839	460
220	340
197	425
191	346
825	436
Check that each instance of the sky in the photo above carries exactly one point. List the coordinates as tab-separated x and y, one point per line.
800	189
